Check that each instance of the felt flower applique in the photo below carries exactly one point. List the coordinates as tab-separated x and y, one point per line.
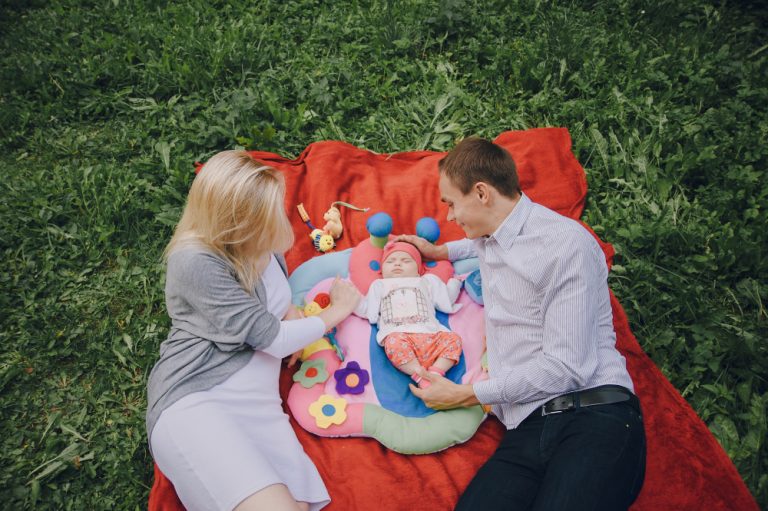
351	379
311	372
328	410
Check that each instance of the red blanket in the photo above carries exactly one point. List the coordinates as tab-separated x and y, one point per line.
687	468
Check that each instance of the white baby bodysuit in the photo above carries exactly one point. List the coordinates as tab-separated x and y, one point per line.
407	304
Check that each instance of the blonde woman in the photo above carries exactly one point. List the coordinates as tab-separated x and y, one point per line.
214	417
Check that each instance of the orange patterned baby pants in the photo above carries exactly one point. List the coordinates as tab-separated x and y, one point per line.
402	347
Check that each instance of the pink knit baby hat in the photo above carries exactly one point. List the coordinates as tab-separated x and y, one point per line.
402	246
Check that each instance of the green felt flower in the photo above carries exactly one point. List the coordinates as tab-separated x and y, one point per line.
310	373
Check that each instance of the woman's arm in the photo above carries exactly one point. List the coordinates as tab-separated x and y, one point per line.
298	333
344	299
205	299
294	313
294	335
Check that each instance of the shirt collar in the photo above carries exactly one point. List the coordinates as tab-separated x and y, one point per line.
508	230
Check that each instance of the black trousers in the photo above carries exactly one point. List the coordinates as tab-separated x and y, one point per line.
592	458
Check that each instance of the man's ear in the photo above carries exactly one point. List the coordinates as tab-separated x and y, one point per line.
482	191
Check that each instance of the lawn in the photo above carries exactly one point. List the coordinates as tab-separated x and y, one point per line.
106	105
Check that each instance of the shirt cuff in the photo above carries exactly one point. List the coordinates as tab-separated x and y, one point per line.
460	249
487	392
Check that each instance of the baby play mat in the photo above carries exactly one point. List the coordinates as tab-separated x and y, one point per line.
687	469
346	386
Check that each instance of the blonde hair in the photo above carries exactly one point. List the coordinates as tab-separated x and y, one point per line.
236	209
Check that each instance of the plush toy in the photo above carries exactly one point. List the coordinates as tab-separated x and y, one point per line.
328	341
428	229
325	239
322	241
332	218
379	226
473	285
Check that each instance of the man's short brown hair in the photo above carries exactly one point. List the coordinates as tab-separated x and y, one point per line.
475	159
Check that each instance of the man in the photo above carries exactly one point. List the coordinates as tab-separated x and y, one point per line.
575	437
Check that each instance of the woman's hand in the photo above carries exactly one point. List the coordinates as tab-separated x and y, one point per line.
344	295
293	313
428	250
344	299
295	357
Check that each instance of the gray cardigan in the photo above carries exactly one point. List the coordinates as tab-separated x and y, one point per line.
215	326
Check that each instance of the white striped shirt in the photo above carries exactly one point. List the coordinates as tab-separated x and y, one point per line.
548	319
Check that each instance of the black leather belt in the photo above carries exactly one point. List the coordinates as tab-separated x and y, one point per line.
603	395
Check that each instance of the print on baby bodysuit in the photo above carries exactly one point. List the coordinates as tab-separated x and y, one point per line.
403	306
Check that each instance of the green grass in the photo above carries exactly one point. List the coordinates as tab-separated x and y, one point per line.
104	107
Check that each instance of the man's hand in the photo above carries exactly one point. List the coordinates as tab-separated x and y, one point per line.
442	393
428	250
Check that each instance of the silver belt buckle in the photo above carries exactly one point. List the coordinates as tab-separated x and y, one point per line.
570	406
544	411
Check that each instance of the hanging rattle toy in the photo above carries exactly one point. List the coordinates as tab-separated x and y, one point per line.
328	341
325	239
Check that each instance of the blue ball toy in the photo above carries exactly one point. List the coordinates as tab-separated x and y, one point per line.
428	229
379	225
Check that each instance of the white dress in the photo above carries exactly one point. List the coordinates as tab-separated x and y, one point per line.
221	445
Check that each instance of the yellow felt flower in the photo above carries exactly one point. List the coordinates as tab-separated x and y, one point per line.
328	410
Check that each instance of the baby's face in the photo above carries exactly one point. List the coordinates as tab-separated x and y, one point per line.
399	264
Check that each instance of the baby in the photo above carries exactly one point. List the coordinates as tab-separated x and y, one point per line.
403	304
